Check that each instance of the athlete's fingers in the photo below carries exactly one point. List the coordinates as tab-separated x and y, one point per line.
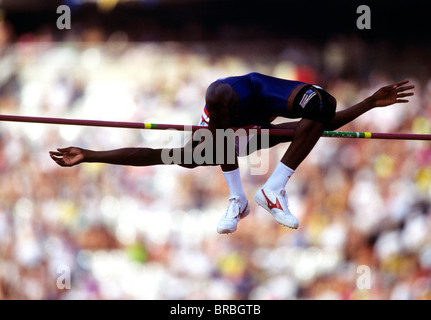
55	153
401	89
63	150
56	156
402	100
59	160
406	94
400	83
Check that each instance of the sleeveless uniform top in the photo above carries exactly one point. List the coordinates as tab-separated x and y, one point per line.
262	98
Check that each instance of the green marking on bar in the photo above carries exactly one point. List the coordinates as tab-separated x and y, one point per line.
340	134
150	126
348	134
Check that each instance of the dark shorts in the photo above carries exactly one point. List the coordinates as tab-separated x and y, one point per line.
315	104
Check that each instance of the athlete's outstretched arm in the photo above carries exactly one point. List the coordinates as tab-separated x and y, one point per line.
183	156
67	157
385	96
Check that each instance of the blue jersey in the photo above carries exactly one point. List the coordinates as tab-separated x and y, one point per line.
262	98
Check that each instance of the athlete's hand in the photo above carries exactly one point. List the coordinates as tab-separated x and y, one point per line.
67	157
394	93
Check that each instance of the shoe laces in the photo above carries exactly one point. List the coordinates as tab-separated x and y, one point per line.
233	208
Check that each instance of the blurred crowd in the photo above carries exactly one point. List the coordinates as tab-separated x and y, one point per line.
98	231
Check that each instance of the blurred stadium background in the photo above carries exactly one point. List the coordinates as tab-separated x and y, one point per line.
150	233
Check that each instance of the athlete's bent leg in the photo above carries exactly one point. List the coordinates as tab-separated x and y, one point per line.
272	195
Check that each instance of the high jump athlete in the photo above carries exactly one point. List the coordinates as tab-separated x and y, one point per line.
255	100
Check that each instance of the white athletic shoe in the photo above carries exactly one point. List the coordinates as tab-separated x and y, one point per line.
228	223
277	205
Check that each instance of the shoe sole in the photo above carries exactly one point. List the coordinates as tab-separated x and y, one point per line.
264	206
225	231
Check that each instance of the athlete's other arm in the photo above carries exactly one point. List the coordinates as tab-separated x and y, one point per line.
385	96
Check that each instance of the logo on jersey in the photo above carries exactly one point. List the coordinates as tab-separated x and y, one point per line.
307	97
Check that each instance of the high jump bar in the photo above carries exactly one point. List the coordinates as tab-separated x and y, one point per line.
158	126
